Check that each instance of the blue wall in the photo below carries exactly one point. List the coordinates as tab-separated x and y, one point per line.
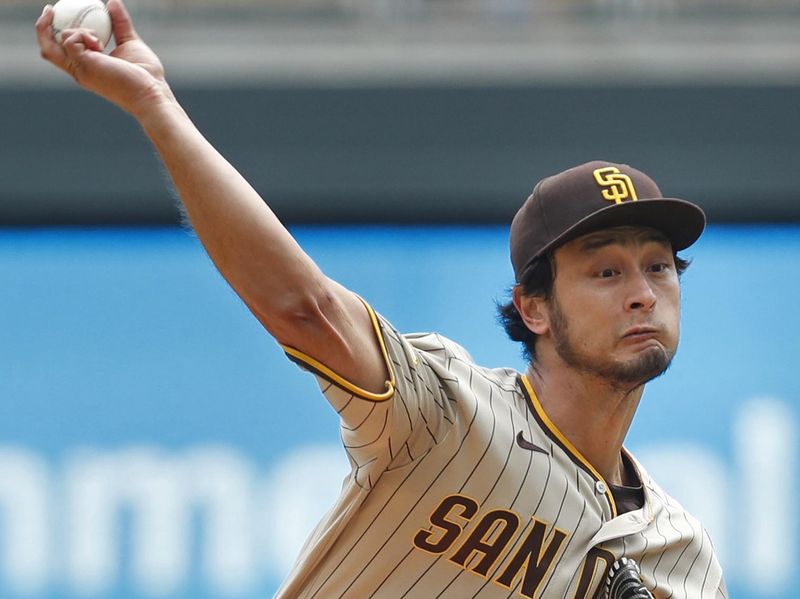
154	441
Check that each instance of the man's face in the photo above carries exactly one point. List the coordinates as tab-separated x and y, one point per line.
615	307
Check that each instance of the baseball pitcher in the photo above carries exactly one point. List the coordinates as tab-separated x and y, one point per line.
466	481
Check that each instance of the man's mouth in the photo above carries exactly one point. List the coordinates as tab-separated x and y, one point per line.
639	333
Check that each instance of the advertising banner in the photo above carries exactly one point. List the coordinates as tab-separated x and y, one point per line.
156	442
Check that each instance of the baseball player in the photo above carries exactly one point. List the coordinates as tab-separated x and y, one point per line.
466	481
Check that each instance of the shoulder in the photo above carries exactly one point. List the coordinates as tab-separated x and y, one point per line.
444	358
436	344
443	353
429	345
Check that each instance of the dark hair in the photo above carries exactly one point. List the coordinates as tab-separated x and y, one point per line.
537	279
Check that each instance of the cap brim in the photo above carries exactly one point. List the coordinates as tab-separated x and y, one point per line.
681	221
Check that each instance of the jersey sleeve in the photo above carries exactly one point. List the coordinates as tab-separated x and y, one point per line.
388	430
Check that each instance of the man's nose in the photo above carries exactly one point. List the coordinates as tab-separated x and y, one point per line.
640	295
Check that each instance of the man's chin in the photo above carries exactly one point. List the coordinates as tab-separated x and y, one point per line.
631	365
648	364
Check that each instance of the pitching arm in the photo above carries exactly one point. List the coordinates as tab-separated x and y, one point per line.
281	285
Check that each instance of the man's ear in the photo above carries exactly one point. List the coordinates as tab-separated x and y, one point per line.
533	310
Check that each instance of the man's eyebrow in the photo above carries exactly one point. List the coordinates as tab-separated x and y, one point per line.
597	242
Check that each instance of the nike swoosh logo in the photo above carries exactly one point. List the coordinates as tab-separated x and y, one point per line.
525	444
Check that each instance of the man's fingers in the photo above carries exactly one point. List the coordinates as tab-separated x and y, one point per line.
85	38
69	53
78	43
121	22
46	18
74	48
50	49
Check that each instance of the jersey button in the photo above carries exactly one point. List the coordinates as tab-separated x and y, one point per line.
600	487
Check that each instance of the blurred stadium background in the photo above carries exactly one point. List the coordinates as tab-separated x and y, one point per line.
154	442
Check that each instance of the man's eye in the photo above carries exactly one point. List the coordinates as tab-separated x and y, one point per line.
660	267
607	273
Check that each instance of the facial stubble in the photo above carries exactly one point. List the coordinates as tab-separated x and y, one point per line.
647	365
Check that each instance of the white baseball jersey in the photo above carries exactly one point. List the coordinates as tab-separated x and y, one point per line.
461	486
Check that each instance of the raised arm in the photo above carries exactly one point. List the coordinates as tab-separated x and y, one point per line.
281	285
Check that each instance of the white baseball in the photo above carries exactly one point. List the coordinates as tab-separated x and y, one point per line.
84	14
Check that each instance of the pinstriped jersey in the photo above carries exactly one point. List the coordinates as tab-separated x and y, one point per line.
461	486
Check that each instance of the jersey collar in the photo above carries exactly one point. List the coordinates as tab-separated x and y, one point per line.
561	440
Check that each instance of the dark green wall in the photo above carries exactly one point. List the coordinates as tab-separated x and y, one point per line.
417	154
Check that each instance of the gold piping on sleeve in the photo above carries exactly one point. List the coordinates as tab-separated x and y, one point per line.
341	381
566	442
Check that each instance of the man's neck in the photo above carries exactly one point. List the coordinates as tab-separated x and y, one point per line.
594	415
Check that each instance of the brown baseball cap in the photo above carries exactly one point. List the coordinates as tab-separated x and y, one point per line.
592	196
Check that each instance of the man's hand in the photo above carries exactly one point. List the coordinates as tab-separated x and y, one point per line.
132	76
